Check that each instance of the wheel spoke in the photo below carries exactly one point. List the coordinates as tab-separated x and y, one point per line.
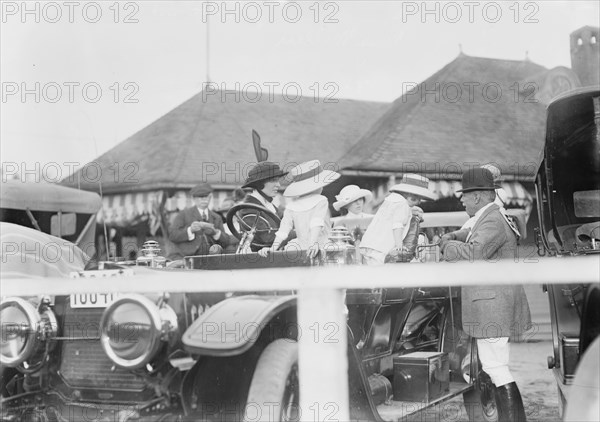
243	222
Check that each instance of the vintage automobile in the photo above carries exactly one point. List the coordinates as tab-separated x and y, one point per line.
46	220
49	208
167	356
568	197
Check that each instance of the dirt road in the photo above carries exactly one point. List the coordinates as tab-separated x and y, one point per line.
535	380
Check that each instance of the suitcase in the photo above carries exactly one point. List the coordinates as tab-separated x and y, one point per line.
421	376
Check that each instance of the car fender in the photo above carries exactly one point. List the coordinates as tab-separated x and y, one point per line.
233	326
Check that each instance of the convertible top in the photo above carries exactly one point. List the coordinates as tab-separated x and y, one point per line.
18	195
30	253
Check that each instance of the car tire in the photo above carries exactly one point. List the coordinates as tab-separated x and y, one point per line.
480	401
275	380
477	410
562	402
584	396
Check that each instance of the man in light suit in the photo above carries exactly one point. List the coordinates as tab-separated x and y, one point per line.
491	314
196	230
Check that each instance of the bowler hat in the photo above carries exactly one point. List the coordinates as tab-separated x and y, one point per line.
264	170
201	189
477	178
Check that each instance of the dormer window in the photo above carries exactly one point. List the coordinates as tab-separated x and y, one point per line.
593	40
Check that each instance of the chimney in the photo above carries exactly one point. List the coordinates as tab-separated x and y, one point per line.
585	55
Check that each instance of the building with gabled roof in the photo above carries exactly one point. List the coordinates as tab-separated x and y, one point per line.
209	138
473	111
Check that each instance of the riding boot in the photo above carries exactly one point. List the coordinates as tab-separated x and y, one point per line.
510	404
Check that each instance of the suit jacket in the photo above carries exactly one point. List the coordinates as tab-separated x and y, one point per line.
261	237
201	242
487	310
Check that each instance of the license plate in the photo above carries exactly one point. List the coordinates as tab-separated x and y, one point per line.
92	300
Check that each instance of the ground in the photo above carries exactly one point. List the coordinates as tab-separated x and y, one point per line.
536	382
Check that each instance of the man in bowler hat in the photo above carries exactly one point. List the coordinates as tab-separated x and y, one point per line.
491	314
197	230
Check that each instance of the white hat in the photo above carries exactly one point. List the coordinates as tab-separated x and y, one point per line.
414	184
494	170
350	194
308	177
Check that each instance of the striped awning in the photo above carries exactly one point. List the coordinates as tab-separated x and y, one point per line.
518	196
123	210
181	200
128	209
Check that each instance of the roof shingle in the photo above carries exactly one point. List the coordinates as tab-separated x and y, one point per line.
209	138
437	132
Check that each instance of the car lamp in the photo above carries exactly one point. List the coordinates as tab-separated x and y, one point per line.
339	250
132	329
25	331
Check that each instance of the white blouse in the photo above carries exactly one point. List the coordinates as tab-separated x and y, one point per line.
303	215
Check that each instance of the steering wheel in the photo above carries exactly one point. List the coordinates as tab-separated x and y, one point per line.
252	217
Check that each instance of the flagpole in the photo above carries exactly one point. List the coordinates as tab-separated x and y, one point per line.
208	49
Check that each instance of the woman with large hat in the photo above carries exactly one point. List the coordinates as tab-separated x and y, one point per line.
265	181
350	202
307	211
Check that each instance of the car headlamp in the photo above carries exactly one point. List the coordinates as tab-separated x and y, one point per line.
132	329
25	330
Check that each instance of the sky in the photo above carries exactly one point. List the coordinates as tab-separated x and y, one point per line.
79	77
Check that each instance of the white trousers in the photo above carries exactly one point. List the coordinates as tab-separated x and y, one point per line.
372	257
494	354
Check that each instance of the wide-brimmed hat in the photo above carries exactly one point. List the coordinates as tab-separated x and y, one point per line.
201	189
350	194
495	170
478	178
308	177
264	170
414	184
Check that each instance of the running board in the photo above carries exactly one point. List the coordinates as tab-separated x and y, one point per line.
396	410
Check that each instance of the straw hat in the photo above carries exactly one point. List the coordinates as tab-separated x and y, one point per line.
414	184
308	177
350	194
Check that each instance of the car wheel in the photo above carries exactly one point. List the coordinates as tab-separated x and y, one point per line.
275	380
480	402
480	405
584	396
562	401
